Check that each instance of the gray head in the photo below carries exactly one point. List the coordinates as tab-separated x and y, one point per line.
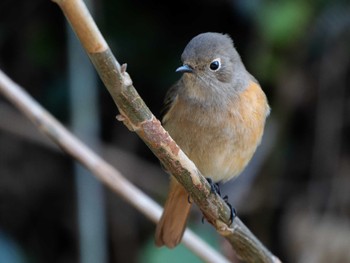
212	67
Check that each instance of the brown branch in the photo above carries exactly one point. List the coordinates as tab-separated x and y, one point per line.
137	117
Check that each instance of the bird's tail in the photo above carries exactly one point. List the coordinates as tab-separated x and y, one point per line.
172	224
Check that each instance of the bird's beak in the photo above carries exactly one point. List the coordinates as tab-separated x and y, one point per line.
185	69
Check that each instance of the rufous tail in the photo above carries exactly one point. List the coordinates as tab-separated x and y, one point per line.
172	224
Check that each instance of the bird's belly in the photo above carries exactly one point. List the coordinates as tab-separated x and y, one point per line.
220	151
220	145
221	155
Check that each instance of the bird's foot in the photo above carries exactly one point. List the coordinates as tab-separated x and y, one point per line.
232	209
189	200
214	187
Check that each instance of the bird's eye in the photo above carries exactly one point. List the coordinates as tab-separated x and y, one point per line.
215	65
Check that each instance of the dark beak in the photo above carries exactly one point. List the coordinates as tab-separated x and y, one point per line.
185	69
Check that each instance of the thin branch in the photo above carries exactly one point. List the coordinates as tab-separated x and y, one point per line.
130	165
138	118
48	125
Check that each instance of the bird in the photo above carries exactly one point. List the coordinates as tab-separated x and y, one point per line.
216	113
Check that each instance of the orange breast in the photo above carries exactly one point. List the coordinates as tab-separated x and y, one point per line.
220	141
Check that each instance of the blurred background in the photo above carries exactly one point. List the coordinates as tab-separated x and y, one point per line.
295	194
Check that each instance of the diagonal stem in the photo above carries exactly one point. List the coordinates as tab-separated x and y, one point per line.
137	117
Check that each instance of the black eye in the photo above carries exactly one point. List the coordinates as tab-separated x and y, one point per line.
215	65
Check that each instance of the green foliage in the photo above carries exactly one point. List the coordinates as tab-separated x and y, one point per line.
282	23
282	26
152	254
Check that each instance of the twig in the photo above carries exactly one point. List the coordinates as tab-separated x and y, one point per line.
48	125
130	165
138	118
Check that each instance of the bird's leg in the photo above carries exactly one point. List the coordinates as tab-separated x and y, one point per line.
189	199
233	210
214	187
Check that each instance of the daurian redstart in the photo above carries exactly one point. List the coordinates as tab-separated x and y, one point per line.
216	113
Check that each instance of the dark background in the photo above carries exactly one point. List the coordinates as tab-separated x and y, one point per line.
296	197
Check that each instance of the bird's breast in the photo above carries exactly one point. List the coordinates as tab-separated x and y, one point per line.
219	140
